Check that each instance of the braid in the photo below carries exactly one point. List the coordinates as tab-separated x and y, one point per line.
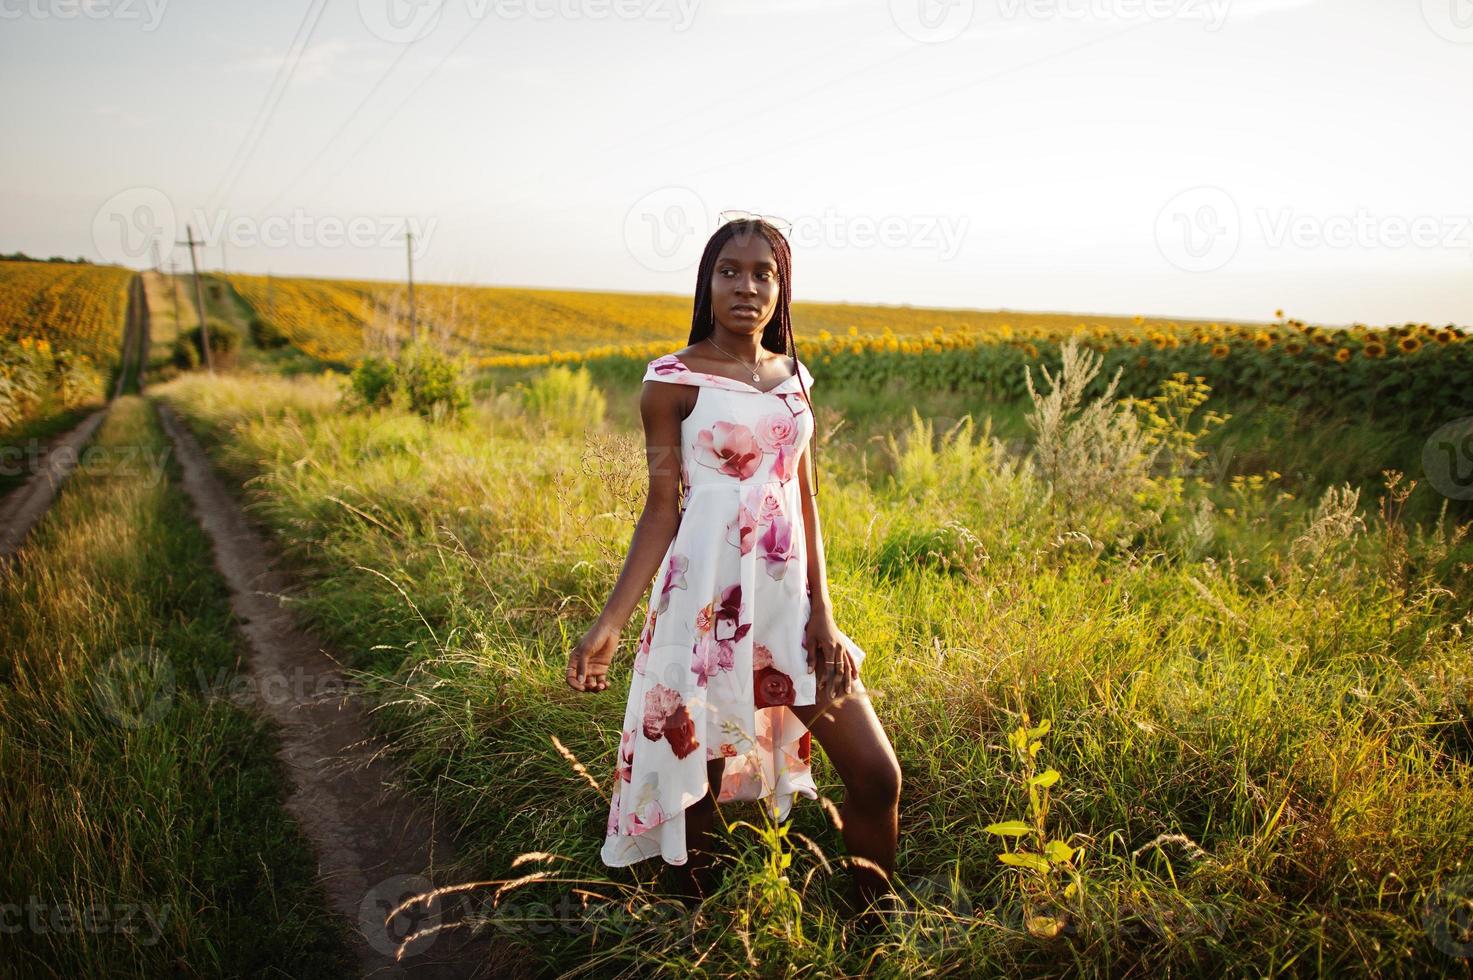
777	336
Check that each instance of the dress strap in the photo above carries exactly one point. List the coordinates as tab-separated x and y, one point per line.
673	370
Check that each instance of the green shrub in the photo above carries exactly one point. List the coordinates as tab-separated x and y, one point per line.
566	400
186	353
225	342
374	381
430	378
422	379
266	334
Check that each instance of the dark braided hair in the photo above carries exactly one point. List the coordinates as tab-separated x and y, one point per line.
777	336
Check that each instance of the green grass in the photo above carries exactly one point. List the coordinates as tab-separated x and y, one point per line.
24	444
161	815
1261	701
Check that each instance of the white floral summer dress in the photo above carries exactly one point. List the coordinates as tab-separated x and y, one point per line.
722	653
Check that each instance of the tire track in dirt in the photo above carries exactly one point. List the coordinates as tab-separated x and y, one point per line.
375	848
23	508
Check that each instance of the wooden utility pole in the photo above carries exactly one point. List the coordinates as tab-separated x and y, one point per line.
409	253
199	296
158	266
174	283
224	265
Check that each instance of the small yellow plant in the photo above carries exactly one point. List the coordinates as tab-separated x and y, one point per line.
1043	862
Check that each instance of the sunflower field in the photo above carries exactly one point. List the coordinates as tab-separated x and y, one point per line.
58	323
1360	369
73	307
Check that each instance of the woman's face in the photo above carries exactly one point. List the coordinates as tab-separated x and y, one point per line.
744	286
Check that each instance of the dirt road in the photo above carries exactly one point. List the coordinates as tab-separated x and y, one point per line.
375	848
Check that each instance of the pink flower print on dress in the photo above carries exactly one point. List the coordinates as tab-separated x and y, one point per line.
646	811
741	531
614	811
730	448
626	754
764	503
770	686
674	578
706	618
642	652
669	364
776	544
785	466
776	430
665	715
711	656
731	610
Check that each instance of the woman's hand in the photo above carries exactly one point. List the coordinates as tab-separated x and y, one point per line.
588	663
827	655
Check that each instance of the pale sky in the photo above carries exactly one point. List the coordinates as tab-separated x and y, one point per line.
1194	158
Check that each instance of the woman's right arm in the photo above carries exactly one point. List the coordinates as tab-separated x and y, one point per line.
660	406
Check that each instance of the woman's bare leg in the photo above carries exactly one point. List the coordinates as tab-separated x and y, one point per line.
696	878
855	742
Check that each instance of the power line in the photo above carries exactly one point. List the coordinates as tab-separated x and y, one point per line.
664	127
267	111
344	125
405	101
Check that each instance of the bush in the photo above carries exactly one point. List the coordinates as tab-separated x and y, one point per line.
1091	452
374	381
186	353
567	400
429	377
266	334
224	344
423	379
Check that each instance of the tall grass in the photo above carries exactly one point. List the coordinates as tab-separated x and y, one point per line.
1260	703
140	803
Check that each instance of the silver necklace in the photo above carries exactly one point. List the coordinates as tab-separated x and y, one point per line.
755	376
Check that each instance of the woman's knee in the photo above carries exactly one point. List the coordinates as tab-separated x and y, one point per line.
877	786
